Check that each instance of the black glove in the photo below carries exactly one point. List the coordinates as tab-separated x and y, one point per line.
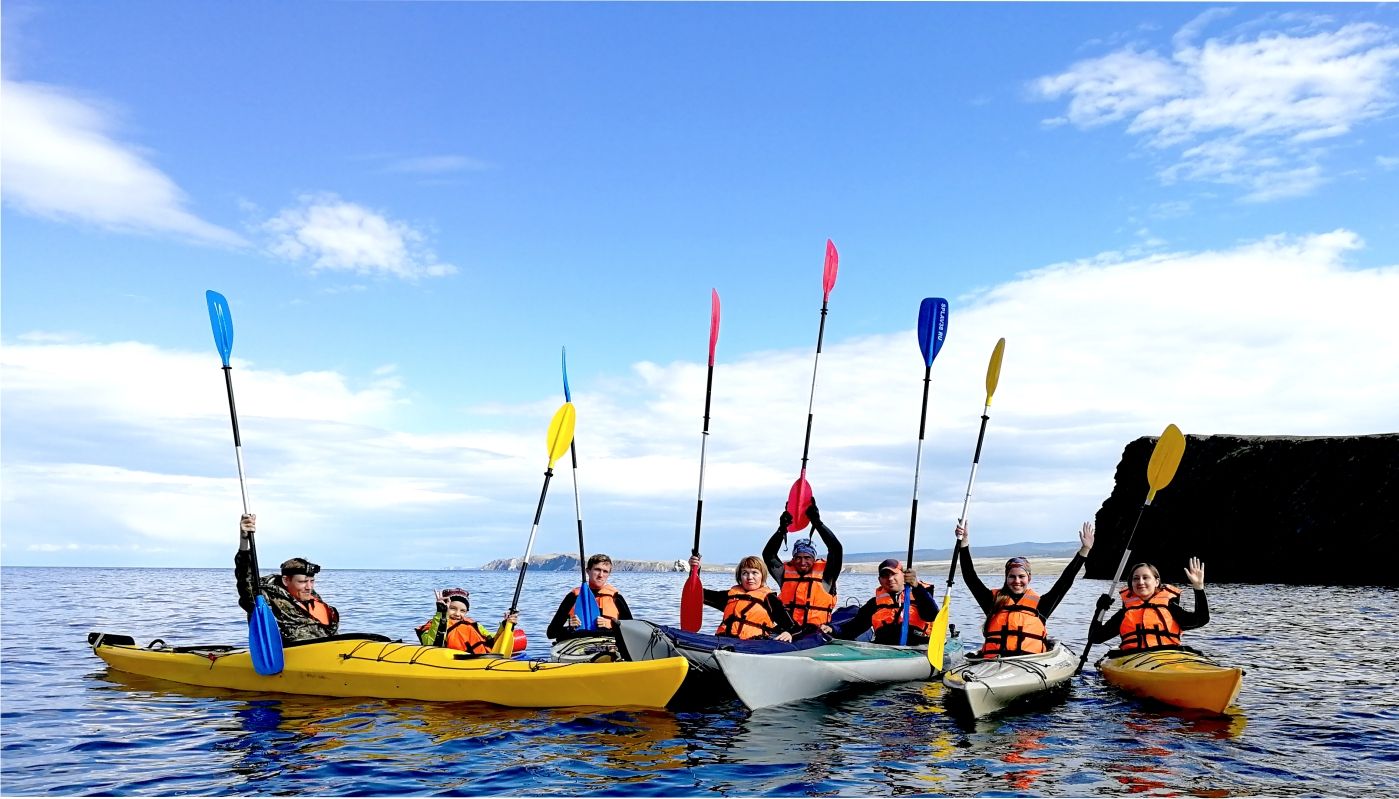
785	520
813	513
1104	602
441	607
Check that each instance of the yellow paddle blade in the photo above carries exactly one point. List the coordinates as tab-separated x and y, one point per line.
504	643
937	637
1164	460
561	431
993	369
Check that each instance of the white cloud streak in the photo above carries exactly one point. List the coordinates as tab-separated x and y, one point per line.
1248	111
332	234
1271	337
61	161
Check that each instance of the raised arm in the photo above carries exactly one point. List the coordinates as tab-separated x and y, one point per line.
835	553
770	556
979	591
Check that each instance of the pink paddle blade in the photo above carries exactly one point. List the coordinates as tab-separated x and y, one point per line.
797	501
692	603
713	324
828	277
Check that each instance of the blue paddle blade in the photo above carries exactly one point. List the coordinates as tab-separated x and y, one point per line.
264	639
586	609
908	599
222	321
567	395
932	327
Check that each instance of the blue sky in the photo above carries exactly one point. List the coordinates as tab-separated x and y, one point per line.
1173	213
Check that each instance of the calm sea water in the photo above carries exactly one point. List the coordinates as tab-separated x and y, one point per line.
1318	715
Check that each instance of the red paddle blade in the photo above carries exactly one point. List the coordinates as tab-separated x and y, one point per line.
692	603
797	501
713	323
828	277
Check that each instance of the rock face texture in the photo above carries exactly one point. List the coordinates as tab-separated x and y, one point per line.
1261	509
556	562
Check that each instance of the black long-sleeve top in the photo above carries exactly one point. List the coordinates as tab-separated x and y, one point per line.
1187	619
835	555
1049	600
558	628
923	600
776	610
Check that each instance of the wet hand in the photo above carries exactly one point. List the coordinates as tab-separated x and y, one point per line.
784	637
1195	573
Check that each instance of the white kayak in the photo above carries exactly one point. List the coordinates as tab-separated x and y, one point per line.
781	677
986	685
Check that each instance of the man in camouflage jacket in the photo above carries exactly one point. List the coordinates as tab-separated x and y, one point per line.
301	613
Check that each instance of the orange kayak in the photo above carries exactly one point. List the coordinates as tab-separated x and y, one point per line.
1179	677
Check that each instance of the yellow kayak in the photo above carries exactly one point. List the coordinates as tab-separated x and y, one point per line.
1179	677
371	667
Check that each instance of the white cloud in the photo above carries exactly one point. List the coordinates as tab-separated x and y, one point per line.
61	161
1264	338
437	164
1248	110
334	235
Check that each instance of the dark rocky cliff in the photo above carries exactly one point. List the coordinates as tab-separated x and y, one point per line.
1261	509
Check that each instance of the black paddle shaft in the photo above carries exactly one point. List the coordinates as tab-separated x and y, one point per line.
699	503
976	461
922	427
820	334
582	557
232	408
1098	614
238	445
524	565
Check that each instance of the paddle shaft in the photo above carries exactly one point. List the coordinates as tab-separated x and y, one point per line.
967	498
811	402
704	440
242	482
913	513
578	508
529	546
1122	564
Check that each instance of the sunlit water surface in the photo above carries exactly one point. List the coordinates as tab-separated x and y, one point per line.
1318	714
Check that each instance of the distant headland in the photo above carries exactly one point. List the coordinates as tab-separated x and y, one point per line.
856	562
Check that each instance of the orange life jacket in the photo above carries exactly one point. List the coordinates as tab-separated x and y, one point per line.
467	637
317	609
746	614
889	610
1015	626
1149	622
805	595
606	604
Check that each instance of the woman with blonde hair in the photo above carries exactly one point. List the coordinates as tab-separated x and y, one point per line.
751	609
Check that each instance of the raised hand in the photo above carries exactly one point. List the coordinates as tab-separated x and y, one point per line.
1195	573
1085	538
